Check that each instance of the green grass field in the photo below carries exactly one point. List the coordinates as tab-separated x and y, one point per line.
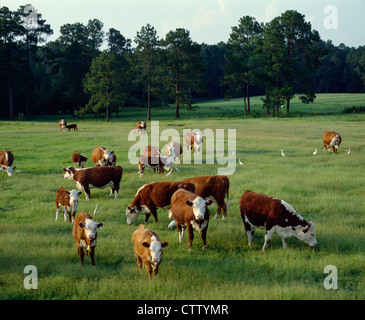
327	189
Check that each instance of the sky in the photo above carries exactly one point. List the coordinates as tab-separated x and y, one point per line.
209	21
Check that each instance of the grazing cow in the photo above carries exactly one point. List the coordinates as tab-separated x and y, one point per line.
190	211
62	124
194	141
153	162
79	159
148	249
6	160
112	160
72	126
215	188
331	139
174	150
85	233
101	156
97	177
152	196
151	151
68	199
276	216
140	128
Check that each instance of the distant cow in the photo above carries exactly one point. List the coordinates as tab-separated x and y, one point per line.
62	124
174	150
331	139
97	177
84	232
276	216
6	160
79	159
112	160
140	128
190	211
101	156
153	162
194	141
148	249
68	199
72	126
152	196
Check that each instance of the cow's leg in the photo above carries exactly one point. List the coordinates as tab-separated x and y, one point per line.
87	193
57	211
181	230
139	261
92	252
191	236
268	236
81	254
69	216
73	217
155	270
204	236
284	242
64	214
249	234
154	212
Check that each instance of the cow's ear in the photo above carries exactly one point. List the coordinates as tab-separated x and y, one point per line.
209	202
99	225
146	244
68	192
111	151
164	244
307	227
189	203
64	169
82	225
14	167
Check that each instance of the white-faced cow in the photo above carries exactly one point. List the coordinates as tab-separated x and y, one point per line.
194	141
276	216
148	249
190	211
97	177
174	150
152	196
331	139
79	159
6	161
153	162
68	199
102	156
140	128
84	231
62	124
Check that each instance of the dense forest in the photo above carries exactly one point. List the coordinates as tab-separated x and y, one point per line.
73	74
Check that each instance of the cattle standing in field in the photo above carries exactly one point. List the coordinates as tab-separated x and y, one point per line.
101	156
6	160
194	141
79	159
215	188
68	199
72	126
140	128
62	124
112	160
85	233
98	177
276	216
152	196
174	150
153	162
148	249
151	151
190	211
331	139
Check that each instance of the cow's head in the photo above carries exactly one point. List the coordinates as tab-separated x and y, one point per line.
199	205
74	194
308	234
90	227
68	173
155	250
8	170
107	156
132	214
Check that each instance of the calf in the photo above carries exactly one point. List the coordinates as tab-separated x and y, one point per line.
6	160
97	177
152	196
79	159
68	199
85	233
214	187
62	124
101	156
194	141
153	162
190	211
72	126
276	216
148	249
331	139
140	128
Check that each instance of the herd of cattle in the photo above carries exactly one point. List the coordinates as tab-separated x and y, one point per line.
187	201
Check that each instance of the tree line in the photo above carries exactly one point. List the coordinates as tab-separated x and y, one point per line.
281	59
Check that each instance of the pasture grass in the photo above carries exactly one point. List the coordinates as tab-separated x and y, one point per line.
327	189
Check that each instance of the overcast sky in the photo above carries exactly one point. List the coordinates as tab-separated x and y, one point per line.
208	21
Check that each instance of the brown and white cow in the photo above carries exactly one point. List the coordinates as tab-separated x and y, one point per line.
331	139
276	216
194	141
79	159
101	156
72	126
97	177
112	160
215	188
174	150
151	151
153	162
140	128
6	160
152	196
190	211
68	199
62	124
148	249
84	231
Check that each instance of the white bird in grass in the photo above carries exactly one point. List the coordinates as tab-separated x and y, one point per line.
348	151
96	210
240	162
282	153
315	152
